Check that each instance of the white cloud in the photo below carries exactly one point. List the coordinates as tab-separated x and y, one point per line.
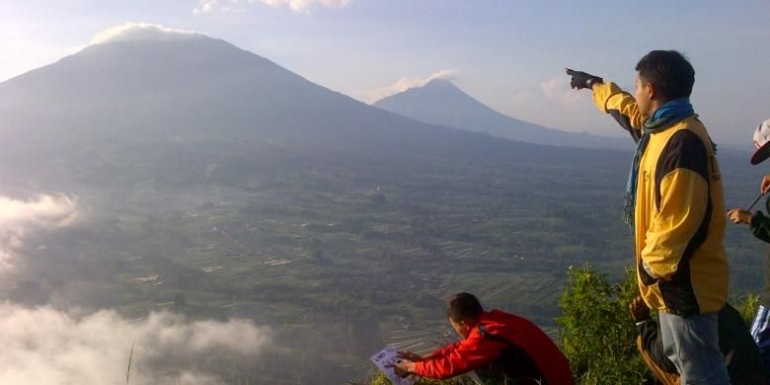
557	89
140	32
234	6
17	217
404	84
44	346
303	5
206	6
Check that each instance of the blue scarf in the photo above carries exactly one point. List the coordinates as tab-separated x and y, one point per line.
664	117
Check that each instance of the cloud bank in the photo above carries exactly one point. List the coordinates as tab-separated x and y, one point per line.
142	32
404	84
44	346
18	217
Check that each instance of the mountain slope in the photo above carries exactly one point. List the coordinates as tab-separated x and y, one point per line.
202	88
441	102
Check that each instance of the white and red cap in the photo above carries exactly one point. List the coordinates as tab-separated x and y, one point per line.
761	142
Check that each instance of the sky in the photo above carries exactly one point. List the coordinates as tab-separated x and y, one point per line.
509	54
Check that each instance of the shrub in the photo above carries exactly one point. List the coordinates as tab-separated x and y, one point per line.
598	335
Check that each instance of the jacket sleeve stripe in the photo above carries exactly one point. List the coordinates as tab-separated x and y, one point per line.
684	151
625	122
610	99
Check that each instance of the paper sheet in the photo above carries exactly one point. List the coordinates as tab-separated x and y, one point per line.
389	356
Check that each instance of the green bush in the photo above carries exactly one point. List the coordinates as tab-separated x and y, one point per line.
598	335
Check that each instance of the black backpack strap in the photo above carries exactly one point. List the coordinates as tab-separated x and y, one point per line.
514	366
485	333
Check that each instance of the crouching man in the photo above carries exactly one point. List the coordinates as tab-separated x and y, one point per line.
502	348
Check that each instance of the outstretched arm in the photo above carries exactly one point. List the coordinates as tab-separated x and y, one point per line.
619	104
469	354
610	99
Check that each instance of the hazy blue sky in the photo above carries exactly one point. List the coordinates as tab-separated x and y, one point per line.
509	54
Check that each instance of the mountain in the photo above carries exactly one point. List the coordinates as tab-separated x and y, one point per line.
443	103
193	86
171	91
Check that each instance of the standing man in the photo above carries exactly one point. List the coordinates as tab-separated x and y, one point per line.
502	348
675	204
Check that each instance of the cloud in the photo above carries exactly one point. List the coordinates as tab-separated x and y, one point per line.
209	6
404	84
303	5
44	346
17	217
141	32
234	6
557	89
47	346
206	6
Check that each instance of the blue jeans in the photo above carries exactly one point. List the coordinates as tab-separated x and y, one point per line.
760	330
692	344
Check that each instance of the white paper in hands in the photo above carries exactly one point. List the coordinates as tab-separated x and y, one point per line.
384	359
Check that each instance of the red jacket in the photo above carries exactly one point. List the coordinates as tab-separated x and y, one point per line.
501	343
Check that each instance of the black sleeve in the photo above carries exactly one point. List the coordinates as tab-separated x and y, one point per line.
653	345
760	226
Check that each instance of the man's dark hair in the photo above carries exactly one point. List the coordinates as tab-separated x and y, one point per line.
463	307
669	72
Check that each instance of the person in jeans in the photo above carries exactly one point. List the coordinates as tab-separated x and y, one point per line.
735	342
675	204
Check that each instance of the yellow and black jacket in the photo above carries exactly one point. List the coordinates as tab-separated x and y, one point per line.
679	218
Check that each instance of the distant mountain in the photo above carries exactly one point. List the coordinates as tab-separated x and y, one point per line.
441	102
161	89
176	91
